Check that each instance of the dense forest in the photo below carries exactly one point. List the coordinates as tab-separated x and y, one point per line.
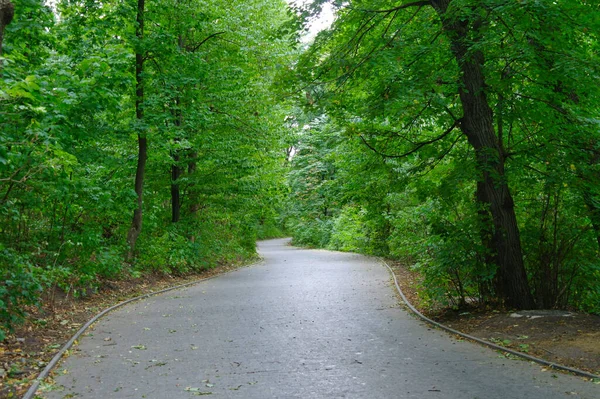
167	136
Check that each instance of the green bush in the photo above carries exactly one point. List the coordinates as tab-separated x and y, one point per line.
311	232
348	232
445	248
18	289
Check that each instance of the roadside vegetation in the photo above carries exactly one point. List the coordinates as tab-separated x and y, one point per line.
461	137
135	138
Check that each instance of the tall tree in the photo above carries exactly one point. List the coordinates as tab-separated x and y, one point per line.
477	124
407	75
140	55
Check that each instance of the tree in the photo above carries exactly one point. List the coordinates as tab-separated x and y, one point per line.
140	55
406	76
178	96
477	124
7	11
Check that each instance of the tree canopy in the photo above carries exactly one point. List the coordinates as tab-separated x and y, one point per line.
461	136
467	136
167	110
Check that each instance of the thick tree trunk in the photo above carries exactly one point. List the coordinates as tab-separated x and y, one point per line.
478	126
136	224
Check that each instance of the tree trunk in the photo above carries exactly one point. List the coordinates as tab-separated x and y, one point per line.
136	224
7	11
478	126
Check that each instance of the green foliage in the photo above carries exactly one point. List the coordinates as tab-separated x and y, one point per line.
347	232
18	289
215	238
312	186
312	233
374	145
587	289
68	136
407	170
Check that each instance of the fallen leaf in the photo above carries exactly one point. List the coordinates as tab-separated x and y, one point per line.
197	391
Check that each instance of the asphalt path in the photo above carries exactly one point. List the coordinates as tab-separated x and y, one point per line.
300	324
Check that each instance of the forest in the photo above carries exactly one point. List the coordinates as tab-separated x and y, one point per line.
461	137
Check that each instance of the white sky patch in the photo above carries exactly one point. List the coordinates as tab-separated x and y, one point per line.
321	22
317	24
51	4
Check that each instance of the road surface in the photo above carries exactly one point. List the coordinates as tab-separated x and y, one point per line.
300	324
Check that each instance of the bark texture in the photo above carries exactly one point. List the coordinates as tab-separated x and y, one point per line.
478	126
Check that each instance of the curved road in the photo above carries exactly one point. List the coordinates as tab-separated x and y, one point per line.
301	324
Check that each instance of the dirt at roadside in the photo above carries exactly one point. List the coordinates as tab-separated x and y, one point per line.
568	338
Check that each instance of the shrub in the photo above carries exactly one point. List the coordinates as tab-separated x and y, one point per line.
18	289
348	233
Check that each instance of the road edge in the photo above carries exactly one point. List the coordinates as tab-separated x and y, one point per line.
480	341
30	394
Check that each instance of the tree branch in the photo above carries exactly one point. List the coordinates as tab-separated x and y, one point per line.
242	122
548	103
432	164
400	7
417	146
204	41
